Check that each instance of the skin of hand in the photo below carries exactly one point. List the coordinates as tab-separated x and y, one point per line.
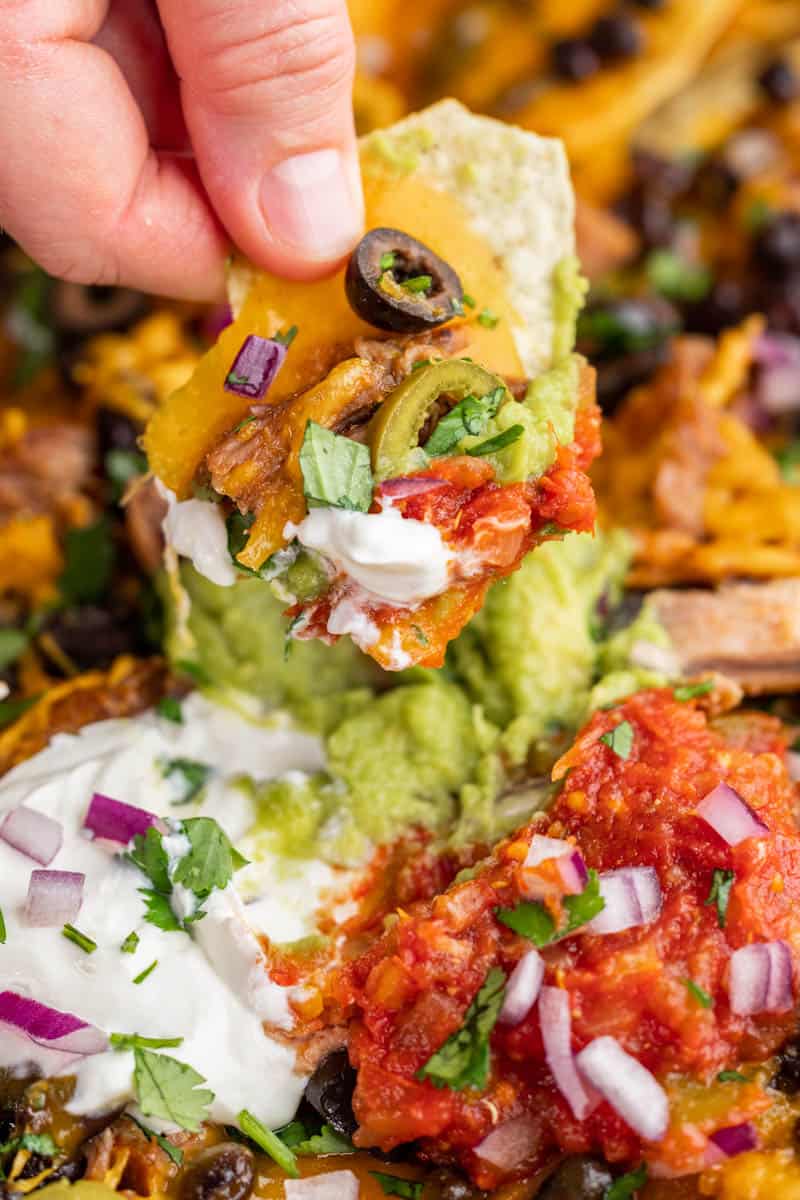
138	139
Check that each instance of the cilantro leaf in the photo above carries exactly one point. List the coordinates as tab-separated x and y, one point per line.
488	319
238	526
732	1077
12	644
394	1185
620	739
158	911
193	775
133	1041
467	417
12	710
269	1142
170	1090
89	555
169	707
690	691
499	442
676	278
211	860
35	1143
292	1134
720	894
702	997
463	1060
626	1186
149	855
532	920
327	1141
336	470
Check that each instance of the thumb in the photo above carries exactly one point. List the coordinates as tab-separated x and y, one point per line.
266	88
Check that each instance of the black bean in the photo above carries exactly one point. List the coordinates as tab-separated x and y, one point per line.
115	431
787	1077
649	209
578	1178
329	1091
226	1171
667	175
616	37
777	245
728	302
779	81
574	59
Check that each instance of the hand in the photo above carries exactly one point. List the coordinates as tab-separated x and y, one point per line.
135	138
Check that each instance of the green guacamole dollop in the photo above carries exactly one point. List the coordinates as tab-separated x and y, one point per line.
463	752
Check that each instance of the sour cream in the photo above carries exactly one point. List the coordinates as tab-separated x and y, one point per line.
211	988
397	560
196	529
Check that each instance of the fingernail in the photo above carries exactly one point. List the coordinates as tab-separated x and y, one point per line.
309	205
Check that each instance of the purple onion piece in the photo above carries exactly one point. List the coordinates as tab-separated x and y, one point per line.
632	896
730	816
735	1139
522	989
631	1090
38	1021
555	1022
115	821
255	367
33	833
404	486
54	897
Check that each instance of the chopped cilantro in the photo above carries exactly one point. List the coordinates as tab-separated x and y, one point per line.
158	911
87	945
269	1142
499	442
690	691
170	1090
34	1143
336	470
89	556
245	421
418	283
327	1141
625	1186
488	319
387	260
468	300
676	278
169	707
194	670
121	466
732	1077
720	894
702	997
129	946
286	338
12	710
620	739
463	1060
2	929
238	527
533	921
133	1041
394	1185
149	855
12	643
140	978
194	776
469	416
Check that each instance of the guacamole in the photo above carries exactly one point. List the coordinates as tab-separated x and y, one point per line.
436	749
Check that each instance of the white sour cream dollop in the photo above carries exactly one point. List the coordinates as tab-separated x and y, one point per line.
211	988
196	529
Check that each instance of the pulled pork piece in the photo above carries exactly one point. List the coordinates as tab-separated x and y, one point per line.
44	470
749	632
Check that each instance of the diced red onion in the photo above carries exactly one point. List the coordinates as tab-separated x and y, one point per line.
54	897
335	1185
556	1026
655	658
509	1144
255	367
761	978
115	821
32	833
793	765
735	1139
570	867
778	389
410	485
63	1033
728	814
777	350
632	897
631	1090
522	988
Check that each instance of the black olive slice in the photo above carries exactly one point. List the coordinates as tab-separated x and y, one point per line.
396	283
578	1178
329	1091
76	308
